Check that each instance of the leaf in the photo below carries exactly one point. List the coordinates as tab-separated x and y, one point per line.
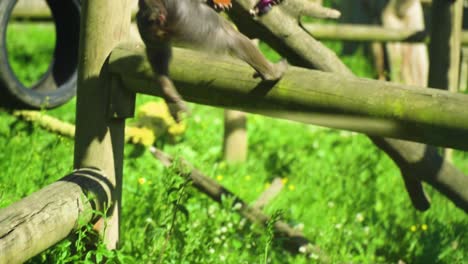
183	210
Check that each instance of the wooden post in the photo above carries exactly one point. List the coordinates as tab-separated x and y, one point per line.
463	80
455	46
235	136
99	136
409	63
444	48
235	140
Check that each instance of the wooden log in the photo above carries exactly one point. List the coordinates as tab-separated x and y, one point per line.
269	194
354	32
362	105
45	217
364	33
99	137
38	10
133	134
32	10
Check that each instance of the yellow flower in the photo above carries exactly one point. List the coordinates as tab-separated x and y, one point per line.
413	228
141	181
139	135
291	187
424	227
284	180
248	178
177	128
153	109
219	177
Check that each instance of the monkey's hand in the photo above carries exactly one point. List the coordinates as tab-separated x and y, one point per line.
178	110
220	5
279	69
294	8
263	6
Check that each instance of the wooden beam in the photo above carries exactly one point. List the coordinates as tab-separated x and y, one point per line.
362	105
31	10
354	32
364	33
46	217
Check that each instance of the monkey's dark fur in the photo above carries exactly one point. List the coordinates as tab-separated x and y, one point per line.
192	21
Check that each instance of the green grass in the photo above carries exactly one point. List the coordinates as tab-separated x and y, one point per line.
346	195
30	50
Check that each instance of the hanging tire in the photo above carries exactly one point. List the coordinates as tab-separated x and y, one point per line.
58	84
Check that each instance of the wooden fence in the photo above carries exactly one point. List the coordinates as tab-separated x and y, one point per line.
111	72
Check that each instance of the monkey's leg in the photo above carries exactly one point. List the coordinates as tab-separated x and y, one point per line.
244	49
160	57
174	101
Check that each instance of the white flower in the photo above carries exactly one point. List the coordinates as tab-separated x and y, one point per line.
242	222
359	217
366	230
303	249
237	206
223	229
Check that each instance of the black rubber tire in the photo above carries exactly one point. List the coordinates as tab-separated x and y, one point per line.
58	84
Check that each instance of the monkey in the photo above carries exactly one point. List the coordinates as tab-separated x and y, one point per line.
160	22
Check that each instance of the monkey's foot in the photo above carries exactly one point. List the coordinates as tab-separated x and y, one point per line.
278	70
263	7
178	110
